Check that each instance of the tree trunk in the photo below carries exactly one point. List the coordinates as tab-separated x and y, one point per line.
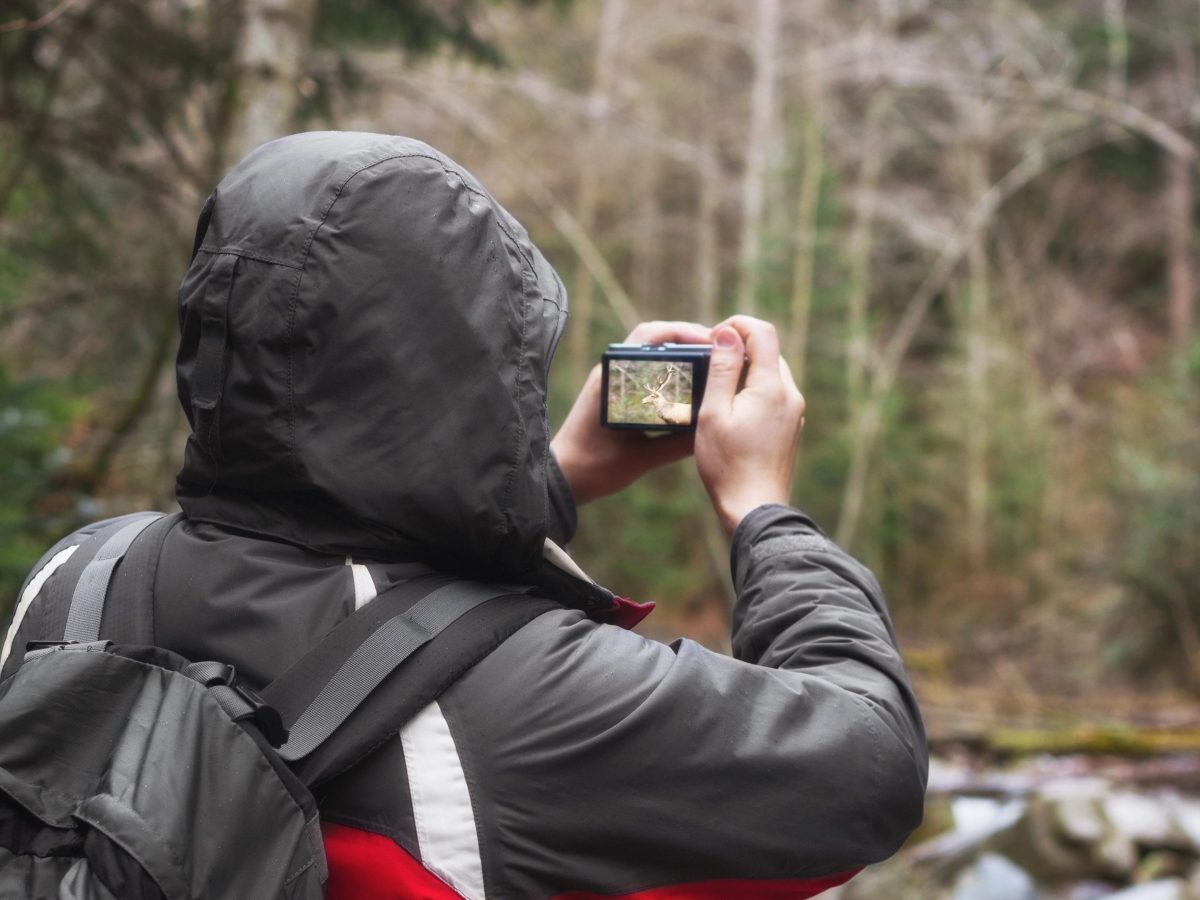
978	298
708	259
858	293
805	238
758	140
647	244
1181	289
272	50
1180	203
604	75
1118	47
858	289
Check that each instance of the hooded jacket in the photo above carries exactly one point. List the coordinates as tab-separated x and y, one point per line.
366	337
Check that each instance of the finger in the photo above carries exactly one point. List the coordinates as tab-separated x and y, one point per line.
762	351
741	322
785	375
669	332
724	369
789	385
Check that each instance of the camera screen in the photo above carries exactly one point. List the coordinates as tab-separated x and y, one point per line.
649	392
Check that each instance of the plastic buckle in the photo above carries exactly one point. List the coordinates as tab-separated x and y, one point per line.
212	674
265	716
215	675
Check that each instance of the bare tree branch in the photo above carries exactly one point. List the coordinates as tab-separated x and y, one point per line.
1075	99
41	21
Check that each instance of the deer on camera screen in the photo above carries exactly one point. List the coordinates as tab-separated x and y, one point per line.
646	393
670	411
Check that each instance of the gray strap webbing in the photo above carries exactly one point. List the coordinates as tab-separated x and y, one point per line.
219	678
376	657
87	602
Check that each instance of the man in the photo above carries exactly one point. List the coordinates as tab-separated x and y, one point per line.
365	343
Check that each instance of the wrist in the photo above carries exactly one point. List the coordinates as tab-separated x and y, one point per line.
732	514
574	471
732	511
565	459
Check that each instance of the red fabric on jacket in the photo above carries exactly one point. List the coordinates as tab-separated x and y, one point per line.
368	866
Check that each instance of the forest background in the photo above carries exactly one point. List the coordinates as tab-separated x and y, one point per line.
973	222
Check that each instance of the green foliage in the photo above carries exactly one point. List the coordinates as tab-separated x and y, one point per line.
1156	622
33	422
1135	161
1018	465
418	26
107	80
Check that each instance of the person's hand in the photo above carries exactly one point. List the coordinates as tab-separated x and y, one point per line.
746	440
599	461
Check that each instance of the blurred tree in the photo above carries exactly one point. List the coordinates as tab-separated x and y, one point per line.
760	134
34	420
116	118
1181	191
600	100
866	194
808	198
1156	622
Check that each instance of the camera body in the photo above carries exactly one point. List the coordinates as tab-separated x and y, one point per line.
653	387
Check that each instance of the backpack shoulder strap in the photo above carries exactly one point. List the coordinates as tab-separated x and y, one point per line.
132	620
321	690
45	619
54	611
91	587
455	622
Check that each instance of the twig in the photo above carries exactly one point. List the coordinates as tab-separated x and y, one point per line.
589	254
107	75
1075	99
88	477
29	143
40	22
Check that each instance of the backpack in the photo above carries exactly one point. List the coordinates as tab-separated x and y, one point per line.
127	771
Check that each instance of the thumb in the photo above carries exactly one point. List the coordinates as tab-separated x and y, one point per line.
725	367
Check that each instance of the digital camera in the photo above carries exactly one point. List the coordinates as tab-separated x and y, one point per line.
653	387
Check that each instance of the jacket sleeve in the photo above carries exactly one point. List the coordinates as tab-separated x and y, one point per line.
804	605
606	762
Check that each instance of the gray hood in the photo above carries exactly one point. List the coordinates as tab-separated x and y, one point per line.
365	342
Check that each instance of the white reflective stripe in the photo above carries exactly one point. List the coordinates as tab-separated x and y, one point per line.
441	803
32	590
364	584
558	557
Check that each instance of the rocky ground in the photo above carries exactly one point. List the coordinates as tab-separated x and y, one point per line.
1053	828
